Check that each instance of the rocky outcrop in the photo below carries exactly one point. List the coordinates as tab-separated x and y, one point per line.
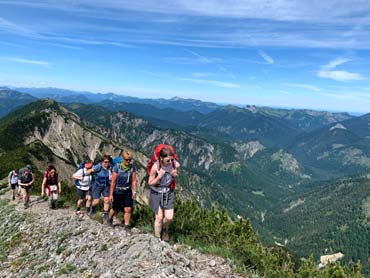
249	149
57	243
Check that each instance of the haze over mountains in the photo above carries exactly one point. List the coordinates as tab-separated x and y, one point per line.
299	175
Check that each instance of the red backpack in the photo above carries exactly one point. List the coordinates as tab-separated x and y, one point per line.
155	158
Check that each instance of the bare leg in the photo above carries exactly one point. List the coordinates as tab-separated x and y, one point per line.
127	216
168	217
158	223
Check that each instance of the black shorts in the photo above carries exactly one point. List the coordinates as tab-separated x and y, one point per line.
14	186
83	193
121	201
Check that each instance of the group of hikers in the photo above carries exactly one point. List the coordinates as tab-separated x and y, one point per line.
115	180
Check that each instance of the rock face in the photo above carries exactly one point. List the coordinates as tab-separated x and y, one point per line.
50	243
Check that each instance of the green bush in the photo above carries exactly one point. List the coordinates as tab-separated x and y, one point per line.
213	231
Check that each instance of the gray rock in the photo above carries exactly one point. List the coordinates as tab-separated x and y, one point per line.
59	243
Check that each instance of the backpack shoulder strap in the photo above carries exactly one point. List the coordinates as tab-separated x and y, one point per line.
99	169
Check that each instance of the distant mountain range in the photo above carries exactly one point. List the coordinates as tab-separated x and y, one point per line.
68	96
10	99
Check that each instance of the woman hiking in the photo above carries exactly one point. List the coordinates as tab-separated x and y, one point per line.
83	187
25	181
13	182
101	186
162	195
51	185
123	189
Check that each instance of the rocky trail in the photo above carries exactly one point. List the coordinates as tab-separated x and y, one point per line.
39	242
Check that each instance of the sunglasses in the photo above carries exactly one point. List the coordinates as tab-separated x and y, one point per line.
127	159
168	160
106	161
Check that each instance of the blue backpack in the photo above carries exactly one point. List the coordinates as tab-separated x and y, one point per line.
80	166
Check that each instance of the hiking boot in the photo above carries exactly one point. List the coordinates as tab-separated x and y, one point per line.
91	211
110	223
26	206
165	235
13	198
105	219
127	228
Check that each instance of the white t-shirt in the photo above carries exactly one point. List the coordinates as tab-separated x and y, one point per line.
85	183
13	177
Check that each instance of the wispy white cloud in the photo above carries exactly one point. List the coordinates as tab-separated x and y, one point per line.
266	57
52	39
9	26
336	62
192	60
306	87
202	74
91	41
198	78
324	24
320	11
26	61
340	75
328	71
212	82
216	62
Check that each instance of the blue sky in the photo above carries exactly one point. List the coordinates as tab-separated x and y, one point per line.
282	53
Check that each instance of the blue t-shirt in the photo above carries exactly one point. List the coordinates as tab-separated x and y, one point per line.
102	176
124	176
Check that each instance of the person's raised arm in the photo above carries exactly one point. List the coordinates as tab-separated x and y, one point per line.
155	175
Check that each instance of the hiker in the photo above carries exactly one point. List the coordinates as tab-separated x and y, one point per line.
101	186
51	185
25	181
162	195
20	174
13	182
83	186
123	189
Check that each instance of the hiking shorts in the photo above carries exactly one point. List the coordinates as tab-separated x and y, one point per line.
26	190
121	201
14	185
98	190
83	193
162	200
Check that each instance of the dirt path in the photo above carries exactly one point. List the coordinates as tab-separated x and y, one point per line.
58	243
